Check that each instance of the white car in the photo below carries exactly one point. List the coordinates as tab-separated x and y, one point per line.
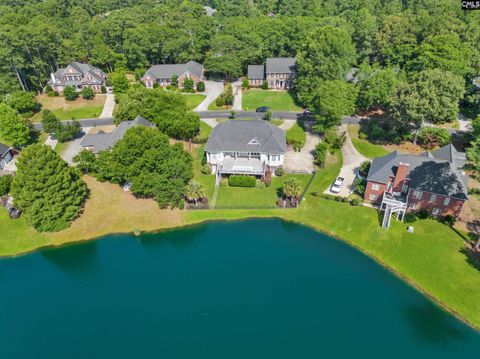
337	185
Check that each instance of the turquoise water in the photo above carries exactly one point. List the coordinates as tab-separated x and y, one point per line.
247	289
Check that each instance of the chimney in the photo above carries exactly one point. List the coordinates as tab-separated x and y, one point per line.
401	175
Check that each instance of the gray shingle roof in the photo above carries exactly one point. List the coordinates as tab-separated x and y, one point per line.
256	72
168	70
3	149
97	75
280	65
103	141
429	172
247	136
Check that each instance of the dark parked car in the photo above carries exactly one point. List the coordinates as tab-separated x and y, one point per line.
14	213
262	109
307	112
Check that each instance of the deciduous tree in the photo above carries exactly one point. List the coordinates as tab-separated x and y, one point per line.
14	128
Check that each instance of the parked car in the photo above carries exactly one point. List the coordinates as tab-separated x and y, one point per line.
262	109
14	213
337	185
307	112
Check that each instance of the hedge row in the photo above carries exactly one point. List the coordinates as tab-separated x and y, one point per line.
241	181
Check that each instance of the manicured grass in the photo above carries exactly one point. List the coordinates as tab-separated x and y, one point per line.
431	258
365	148
66	110
296	134
213	107
276	100
207	181
193	100
231	197
276	122
205	131
61	147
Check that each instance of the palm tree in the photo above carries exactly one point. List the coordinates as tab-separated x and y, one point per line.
194	192
292	189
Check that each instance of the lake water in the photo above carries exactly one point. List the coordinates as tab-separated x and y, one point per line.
247	289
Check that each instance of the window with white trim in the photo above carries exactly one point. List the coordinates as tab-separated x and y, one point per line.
417	194
372	197
446	201
375	186
436	211
433	198
274	158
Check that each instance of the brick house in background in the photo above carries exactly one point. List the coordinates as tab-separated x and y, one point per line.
279	72
431	181
162	74
77	75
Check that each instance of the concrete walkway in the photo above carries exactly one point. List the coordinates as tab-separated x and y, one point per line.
212	122
213	89
237	95
51	143
287	124
351	161
108	106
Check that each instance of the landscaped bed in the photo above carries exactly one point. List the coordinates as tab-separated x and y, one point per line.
296	135
276	100
67	110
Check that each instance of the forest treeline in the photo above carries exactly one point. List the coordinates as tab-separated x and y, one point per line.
36	37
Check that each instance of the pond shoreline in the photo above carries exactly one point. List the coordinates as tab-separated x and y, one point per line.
334	235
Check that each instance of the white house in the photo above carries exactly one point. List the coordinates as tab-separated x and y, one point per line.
245	147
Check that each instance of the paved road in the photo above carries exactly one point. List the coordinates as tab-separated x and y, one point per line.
213	89
107	111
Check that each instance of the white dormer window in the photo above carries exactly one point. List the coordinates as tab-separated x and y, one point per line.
254	141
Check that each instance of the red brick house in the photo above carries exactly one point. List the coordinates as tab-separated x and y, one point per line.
431	181
279	72
162	74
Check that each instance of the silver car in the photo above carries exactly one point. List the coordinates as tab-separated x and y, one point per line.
337	185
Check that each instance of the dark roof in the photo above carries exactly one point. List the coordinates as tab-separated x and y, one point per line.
96	75
3	149
102	141
247	136
168	70
280	65
449	153
256	72
436	172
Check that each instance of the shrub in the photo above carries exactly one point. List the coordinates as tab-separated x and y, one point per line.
364	168
409	217
297	146
201	86
87	93
360	185
52	94
268	115
430	137
104	89
174	81
423	214
188	85
156	85
279	172
449	220
259	184
264	85
245	84
355	201
241	181
320	154
267	179
70	93
206	169
5	184
219	102
224	182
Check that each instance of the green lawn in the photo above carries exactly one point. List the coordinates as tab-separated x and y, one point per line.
365	148
231	197
193	100
296	134
208	181
276	100
67	110
276	122
213	107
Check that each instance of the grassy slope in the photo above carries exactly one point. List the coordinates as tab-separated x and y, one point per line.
296	134
430	258
66	110
276	100
194	100
366	148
